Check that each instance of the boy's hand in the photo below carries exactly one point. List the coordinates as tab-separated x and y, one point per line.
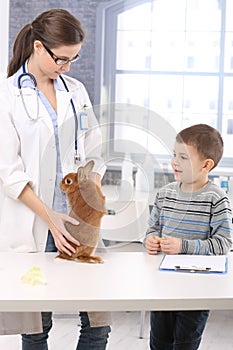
152	244
170	245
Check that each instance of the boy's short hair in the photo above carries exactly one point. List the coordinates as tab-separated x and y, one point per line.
206	139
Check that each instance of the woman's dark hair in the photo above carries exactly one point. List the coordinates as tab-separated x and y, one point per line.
206	139
53	28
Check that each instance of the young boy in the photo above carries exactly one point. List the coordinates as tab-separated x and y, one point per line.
189	216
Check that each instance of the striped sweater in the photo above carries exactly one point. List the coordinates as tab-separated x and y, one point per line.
202	219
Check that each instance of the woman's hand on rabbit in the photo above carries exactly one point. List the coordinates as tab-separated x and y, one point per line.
60	234
54	220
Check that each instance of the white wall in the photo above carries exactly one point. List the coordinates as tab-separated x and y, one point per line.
4	35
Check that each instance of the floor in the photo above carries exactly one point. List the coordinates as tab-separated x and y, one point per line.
125	333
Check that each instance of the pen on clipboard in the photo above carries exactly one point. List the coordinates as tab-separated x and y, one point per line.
192	268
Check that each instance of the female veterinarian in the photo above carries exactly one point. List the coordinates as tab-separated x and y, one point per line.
46	131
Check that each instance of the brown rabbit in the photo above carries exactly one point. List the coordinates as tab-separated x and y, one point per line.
88	207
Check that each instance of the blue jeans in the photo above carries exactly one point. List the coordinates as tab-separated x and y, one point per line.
91	338
177	330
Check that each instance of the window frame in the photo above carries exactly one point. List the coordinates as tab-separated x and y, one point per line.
106	39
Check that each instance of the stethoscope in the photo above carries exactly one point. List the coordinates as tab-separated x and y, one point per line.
34	82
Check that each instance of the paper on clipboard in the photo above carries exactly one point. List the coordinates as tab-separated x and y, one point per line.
195	263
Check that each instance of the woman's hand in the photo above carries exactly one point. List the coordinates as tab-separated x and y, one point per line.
60	234
152	244
54	220
170	245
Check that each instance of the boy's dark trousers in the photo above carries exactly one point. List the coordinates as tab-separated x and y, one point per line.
177	330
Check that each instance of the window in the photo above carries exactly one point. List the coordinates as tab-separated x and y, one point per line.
171	58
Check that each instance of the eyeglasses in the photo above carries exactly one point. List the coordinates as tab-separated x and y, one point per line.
60	61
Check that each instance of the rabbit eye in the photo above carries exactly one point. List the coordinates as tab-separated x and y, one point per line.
68	181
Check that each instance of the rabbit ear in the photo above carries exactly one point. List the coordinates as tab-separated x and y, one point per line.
84	171
81	174
88	167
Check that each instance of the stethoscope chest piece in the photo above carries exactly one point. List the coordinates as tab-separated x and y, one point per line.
77	158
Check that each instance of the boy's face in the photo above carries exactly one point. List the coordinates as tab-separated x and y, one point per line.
188	167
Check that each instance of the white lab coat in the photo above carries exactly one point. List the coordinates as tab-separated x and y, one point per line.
28	155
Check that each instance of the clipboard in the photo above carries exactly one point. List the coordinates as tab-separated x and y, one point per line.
194	263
